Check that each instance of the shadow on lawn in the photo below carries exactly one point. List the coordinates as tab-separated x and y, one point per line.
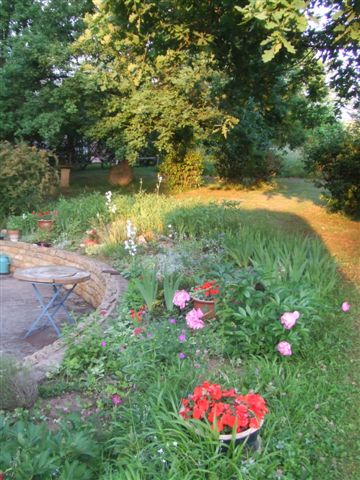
300	189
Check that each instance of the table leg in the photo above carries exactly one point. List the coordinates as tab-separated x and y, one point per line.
44	311
61	304
57	295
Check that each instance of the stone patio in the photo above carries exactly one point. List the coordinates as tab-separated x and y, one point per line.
18	309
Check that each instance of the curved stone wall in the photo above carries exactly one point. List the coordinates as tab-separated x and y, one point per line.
102	291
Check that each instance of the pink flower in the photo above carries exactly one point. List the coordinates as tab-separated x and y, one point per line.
345	307
116	399
138	330
182	355
103	344
288	319
180	298
284	348
103	312
182	337
193	319
172	321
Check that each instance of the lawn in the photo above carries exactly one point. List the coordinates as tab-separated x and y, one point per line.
112	410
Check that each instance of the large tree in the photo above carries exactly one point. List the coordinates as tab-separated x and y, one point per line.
41	101
179	73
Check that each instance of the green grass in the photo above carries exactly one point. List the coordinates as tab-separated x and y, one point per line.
94	179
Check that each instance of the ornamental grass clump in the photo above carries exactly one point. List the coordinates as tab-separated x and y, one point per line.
226	411
18	387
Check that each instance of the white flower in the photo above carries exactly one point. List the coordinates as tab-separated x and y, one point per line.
24	216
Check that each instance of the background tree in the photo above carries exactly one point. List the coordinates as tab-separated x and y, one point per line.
41	95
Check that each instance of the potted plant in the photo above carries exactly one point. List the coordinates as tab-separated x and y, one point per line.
205	297
233	416
45	219
14	225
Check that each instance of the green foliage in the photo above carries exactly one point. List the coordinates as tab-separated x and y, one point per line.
15	222
333	154
42	98
245	156
183	174
76	215
18	385
32	451
27	175
292	163
171	284
148	286
92	357
204	220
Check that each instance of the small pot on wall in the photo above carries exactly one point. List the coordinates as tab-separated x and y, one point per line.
13	235
45	224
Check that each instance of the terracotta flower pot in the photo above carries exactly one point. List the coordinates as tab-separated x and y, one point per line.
13	235
206	306
45	224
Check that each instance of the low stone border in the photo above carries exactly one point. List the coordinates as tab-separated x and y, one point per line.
102	291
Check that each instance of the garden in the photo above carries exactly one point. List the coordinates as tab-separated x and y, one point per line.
225	326
206	156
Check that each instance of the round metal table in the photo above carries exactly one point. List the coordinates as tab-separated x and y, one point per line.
57	276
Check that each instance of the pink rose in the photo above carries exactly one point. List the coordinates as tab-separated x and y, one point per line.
345	307
284	348
288	319
180	298
193	319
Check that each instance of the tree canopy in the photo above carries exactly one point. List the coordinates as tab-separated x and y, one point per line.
173	75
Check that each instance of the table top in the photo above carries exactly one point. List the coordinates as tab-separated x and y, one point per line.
52	274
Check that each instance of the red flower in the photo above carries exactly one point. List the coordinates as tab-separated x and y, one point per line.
224	409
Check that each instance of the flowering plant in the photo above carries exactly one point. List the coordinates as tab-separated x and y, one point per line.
225	410
207	291
49	215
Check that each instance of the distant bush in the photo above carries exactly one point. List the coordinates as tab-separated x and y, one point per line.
333	153
184	174
26	177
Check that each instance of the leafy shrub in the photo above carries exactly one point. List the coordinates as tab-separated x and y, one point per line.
334	155
245	156
18	386
30	451
27	175
183	174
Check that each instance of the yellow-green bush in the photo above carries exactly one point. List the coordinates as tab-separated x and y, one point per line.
183	174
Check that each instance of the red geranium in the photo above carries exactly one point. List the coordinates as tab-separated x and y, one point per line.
49	215
207	291
137	315
224	409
